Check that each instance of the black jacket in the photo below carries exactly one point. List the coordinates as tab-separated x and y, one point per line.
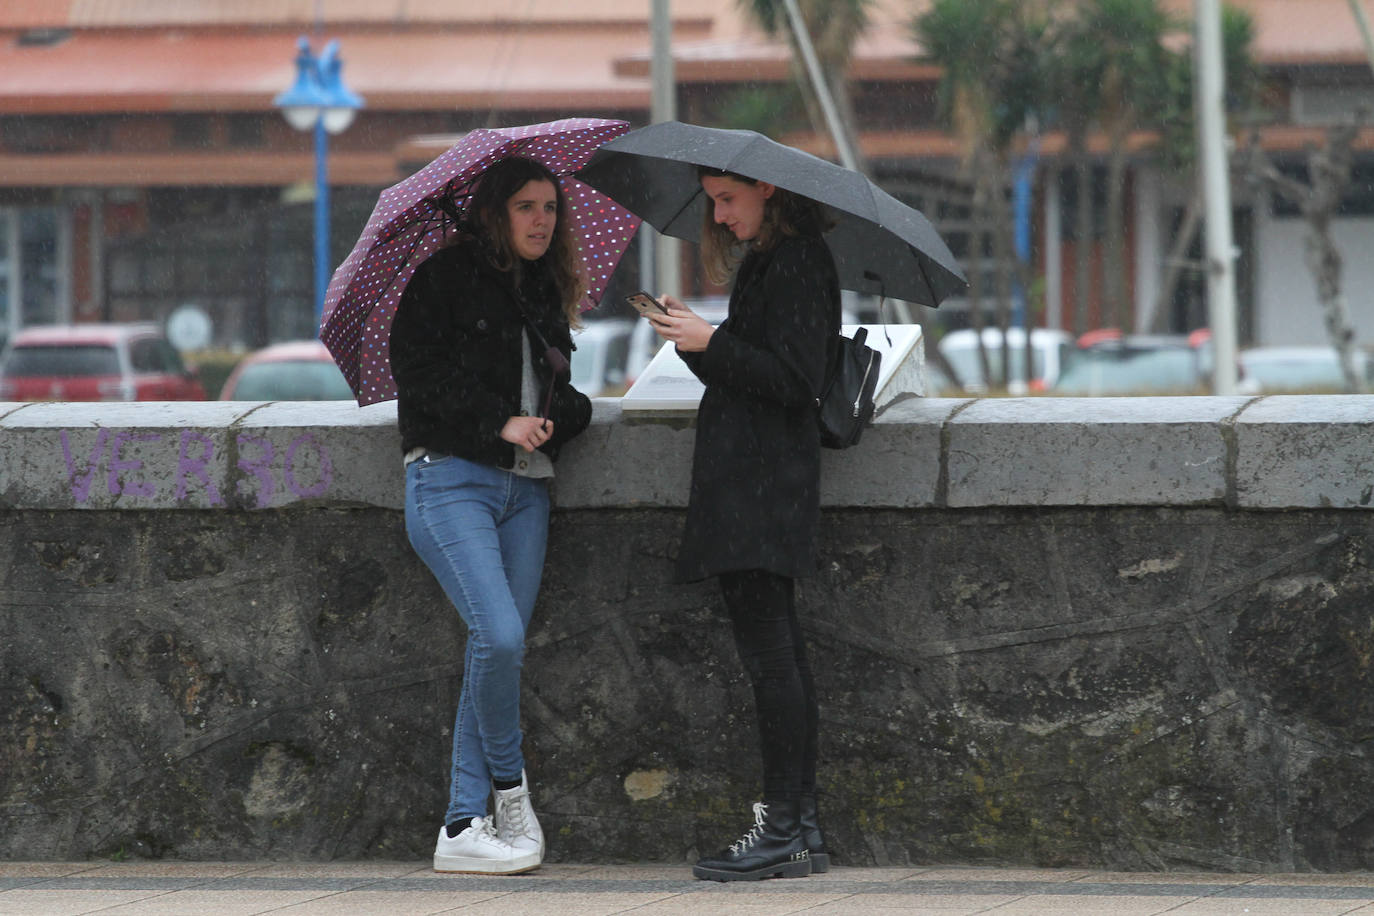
455	355
755	498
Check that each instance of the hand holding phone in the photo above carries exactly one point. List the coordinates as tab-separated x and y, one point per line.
646	304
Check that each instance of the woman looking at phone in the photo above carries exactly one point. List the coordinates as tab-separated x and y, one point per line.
754	504
479	351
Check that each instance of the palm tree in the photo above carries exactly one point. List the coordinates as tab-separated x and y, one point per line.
1133	64
993	55
834	26
773	110
1073	77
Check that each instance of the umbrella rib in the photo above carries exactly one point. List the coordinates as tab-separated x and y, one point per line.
384	238
400	266
691	199
743	154
925	277
391	237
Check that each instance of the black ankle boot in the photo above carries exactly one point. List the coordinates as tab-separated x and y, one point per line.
811	836
773	847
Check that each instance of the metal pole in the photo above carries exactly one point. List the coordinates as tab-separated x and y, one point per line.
813	68
16	285
1054	271
321	217
1216	182
663	101
65	233
1021	214
97	263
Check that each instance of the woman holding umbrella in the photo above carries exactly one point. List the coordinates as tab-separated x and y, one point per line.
479	352
754	504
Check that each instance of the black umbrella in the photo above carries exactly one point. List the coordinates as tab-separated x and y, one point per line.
880	244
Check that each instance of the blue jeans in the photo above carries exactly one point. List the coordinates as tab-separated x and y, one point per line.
482	532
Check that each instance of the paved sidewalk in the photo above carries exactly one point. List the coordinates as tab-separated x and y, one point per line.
344	889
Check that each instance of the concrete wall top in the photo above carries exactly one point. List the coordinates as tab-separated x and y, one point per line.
1244	453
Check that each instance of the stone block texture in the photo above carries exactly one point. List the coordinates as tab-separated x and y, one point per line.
1125	634
1125	688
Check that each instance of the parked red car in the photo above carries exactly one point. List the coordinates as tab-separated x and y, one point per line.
95	362
299	370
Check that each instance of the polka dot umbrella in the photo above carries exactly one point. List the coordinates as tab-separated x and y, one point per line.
413	217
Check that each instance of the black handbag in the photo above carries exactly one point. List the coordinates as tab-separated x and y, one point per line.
845	405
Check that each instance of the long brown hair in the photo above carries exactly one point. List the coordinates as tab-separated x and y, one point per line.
784	214
487	210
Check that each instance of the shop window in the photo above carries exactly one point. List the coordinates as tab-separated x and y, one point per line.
191	132
245	131
38	260
160	274
125	274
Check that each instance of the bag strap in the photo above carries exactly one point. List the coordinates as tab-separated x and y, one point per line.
525	315
552	355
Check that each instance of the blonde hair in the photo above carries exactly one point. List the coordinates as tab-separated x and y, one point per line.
488	210
784	214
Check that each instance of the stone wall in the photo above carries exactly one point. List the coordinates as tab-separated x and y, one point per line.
1125	633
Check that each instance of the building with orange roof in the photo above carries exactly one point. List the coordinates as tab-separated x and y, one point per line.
143	165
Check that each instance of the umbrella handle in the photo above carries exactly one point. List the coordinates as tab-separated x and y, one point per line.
882	302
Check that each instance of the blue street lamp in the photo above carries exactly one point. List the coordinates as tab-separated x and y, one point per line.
319	101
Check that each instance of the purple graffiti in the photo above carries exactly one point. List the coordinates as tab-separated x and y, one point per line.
114	480
196	466
195	453
81	487
326	469
261	469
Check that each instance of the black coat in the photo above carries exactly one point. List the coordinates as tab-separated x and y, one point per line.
755	497
455	355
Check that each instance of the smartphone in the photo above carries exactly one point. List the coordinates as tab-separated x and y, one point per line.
646	304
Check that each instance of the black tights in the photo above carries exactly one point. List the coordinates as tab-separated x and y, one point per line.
770	643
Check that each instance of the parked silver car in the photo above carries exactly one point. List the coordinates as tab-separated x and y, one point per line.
1292	370
1107	363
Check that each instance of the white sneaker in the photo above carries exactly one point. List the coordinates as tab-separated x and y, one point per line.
479	851
515	820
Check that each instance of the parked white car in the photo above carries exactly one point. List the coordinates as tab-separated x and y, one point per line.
599	363
1049	353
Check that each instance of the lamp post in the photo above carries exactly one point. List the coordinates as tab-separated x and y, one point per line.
319	101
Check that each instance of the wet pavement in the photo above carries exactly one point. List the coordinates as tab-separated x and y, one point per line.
343	889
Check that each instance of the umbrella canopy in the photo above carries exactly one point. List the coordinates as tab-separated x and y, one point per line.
413	217
880	245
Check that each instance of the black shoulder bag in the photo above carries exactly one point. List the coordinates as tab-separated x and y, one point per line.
845	405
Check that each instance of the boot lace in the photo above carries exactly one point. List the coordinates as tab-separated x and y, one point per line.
485	829
744	843
510	814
